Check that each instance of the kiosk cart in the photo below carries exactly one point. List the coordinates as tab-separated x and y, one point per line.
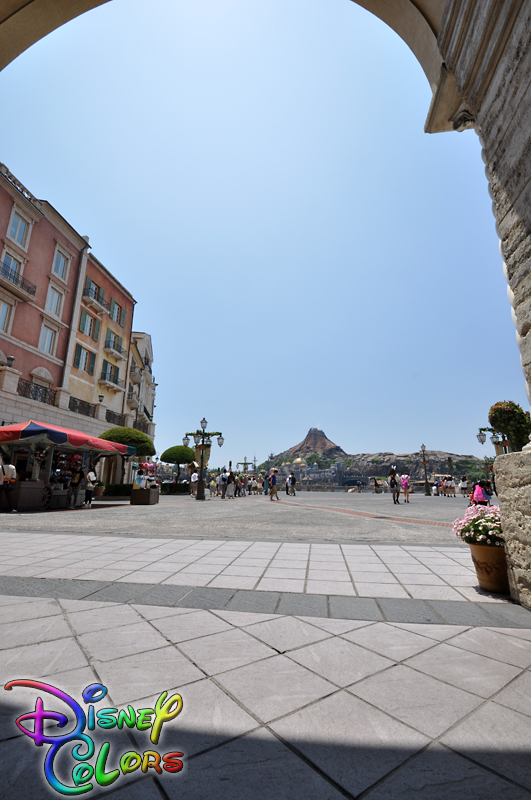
44	456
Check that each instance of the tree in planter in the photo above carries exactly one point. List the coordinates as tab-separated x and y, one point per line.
512	421
178	455
132	438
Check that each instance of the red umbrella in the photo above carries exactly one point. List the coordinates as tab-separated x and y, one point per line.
68	439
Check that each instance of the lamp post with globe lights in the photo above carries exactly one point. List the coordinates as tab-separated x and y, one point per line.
202	439
427	490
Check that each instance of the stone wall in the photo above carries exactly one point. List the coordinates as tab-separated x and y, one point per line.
513	482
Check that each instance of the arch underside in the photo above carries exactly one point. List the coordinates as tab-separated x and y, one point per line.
417	22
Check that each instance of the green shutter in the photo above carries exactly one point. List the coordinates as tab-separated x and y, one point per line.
120	340
105	368
77	356
92	362
96	330
113	304
122	318
88	283
101	296
83	320
108	338
116	374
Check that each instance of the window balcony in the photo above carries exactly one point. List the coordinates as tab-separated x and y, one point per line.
95	300
132	400
134	374
114	349
140	425
108	380
114	418
35	392
15	283
82	407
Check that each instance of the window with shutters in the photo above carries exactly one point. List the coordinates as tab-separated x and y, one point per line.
117	313
84	359
89	325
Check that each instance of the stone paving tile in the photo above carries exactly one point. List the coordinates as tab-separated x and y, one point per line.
286	633
232	582
401	610
156	612
509	614
45	658
141	675
433	592
188	580
105	645
190	626
36	609
206	598
329	587
274	687
108	617
381	590
389	641
475	594
437	632
337	626
280	585
305	605
352	742
518	695
30	631
469	671
208	718
225	651
494	645
354	608
418	700
520	633
242	618
503	746
339	661
257	765
263	602
440	774
460	613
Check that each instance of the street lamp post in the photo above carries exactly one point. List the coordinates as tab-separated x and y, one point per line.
427	490
202	439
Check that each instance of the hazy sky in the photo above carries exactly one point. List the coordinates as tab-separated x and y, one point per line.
302	253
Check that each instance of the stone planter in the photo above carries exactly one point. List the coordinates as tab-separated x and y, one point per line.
98	491
491	567
144	497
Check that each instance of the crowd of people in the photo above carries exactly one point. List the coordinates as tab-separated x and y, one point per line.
228	484
478	492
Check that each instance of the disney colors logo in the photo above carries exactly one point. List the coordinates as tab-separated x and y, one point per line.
166	708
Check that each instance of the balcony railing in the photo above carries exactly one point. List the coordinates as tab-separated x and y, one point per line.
108	377
93	296
114	418
82	407
110	344
35	392
140	425
13	277
148	414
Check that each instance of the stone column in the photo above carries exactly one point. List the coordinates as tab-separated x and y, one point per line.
62	398
513	483
9	379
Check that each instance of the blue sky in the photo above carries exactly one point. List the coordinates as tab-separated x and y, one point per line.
302	253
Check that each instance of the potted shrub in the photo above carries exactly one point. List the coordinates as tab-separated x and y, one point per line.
481	529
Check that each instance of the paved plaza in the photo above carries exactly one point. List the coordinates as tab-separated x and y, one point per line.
352	663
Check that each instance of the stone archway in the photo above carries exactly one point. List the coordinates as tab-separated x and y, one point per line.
475	57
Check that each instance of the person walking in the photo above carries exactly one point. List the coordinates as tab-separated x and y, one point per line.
292	482
91	481
8	476
212	486
224	483
193	482
230	486
75	484
463	486
273	492
259	485
266	484
406	486
392	479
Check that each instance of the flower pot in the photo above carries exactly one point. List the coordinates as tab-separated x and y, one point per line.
491	567
98	491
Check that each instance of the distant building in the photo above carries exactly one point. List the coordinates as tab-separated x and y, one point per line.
67	352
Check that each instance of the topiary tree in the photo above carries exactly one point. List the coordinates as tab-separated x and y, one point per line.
132	438
512	421
178	455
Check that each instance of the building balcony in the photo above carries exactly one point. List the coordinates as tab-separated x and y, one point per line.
132	400
95	300
114	418
35	392
15	283
108	380
114	349
134	374
82	407
140	425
